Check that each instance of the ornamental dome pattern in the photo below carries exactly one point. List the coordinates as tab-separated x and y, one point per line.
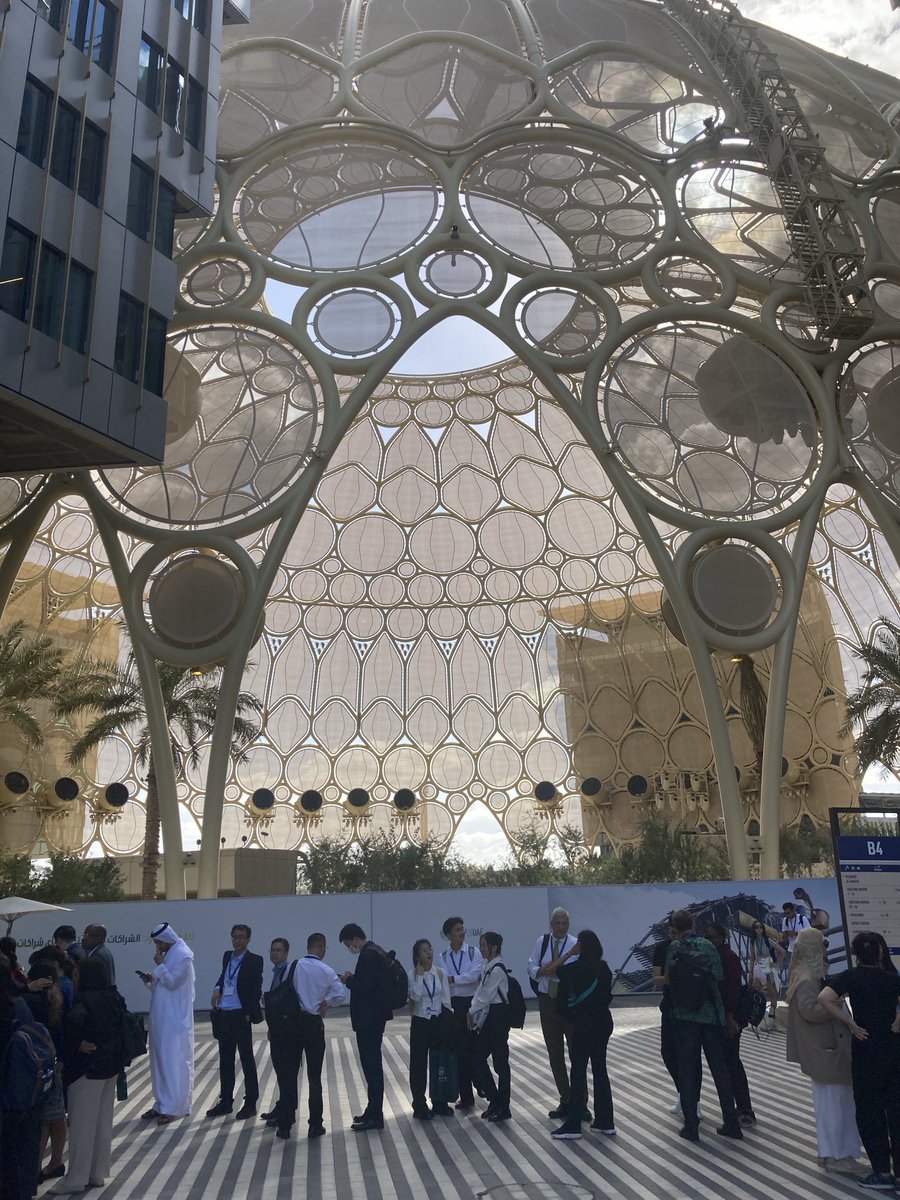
468	578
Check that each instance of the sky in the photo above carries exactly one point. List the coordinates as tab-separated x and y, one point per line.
865	30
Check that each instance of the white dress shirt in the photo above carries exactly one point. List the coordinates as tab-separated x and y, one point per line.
554	948
492	989
316	983
429	993
463	966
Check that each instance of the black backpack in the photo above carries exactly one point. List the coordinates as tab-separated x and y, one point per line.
28	1067
134	1037
691	979
514	1004
398	982
282	1005
751	1006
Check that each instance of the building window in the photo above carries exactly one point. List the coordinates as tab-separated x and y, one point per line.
200	16
173	108
16	271
150	74
50	291
64	155
34	122
166	207
93	25
196	102
129	330
140	200
51	11
79	296
155	360
93	156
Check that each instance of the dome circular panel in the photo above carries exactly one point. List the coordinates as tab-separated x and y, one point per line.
246	412
353	323
502	586
886	294
452	768
216	281
499	765
690	748
512	539
455	273
734	588
870	408
442	544
195	600
547	760
405	623
886	215
347	589
688	280
405	767
426	590
386	591
486	620
711	420
356	768
735	210
371	544
264	91
580	526
561	321
524	220
340	207
322	620
308	769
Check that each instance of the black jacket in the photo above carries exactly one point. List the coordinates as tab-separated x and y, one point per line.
249	982
97	1017
370	1002
575	979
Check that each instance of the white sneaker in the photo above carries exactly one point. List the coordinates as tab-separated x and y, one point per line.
676	1107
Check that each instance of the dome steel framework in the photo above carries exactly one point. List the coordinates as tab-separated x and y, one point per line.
686	235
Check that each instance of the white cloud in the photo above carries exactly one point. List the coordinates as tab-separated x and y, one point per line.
867	31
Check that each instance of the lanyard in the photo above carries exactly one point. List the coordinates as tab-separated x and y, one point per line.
457	966
233	967
433	987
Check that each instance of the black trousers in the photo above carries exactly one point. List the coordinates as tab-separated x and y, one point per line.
368	1044
425	1033
493	1044
465	1043
236	1034
588	1044
20	1140
690	1038
876	1090
287	1058
737	1074
667	1048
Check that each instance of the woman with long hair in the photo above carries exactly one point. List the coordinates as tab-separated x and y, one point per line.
584	996
489	1016
821	1045
94	1054
49	1007
873	993
20	1129
765	958
431	1026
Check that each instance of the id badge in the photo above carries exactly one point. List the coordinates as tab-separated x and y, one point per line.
228	989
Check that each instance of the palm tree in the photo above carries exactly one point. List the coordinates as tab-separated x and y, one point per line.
29	671
753	707
875	705
190	702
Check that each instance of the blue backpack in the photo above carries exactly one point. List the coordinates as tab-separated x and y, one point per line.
29	1066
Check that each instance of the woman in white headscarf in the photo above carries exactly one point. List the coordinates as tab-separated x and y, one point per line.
171	1026
822	1047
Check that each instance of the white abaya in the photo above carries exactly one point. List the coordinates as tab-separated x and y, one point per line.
172	1031
835	1110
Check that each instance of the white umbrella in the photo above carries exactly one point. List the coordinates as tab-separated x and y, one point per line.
14	907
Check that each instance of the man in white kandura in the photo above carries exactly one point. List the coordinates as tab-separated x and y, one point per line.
171	1026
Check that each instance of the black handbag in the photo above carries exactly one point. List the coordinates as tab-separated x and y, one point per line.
283	1007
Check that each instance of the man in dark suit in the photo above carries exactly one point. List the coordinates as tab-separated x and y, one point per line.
236	1008
370	1010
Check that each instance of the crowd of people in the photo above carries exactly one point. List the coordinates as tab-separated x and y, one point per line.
463	1003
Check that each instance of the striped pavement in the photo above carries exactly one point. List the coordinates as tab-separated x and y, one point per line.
464	1157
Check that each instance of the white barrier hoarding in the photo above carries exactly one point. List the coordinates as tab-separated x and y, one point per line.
624	918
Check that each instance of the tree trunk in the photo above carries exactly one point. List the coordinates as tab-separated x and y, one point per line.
150	857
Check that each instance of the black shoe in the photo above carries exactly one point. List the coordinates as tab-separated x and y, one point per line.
247	1109
462	1105
271	1124
586	1115
362	1117
222	1109
501	1114
441	1110
558	1113
269	1116
690	1133
488	1112
316	1131
570	1131
422	1114
367	1124
731	1131
747	1118
283	1132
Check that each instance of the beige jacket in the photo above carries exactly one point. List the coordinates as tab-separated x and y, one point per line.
819	1044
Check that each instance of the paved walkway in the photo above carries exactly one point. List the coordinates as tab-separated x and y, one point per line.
466	1157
